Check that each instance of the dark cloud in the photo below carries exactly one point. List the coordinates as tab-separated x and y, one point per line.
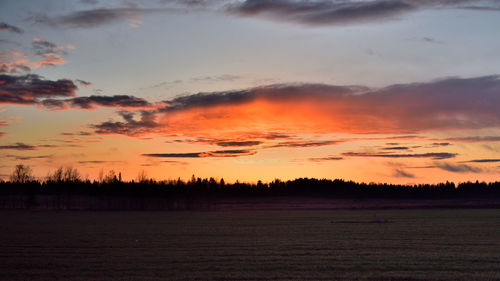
430	40
108	101
329	158
99	17
28	89
92	102
44	48
83	83
217	153
329	12
400	173
452	103
220	78
94	162
24	158
432	155
321	12
475	139
130	127
81	133
238	143
175	155
303	144
396	148
18	146
89	2
441	144
481	161
11	28
272	92
458	168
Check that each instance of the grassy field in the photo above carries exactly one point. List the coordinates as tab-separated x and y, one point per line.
251	245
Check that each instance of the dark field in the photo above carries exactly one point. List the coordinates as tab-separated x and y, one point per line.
460	244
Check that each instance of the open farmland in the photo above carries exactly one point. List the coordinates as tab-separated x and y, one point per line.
459	244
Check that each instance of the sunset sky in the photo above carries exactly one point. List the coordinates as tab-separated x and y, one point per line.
399	91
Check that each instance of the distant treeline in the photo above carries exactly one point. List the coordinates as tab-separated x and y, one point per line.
65	190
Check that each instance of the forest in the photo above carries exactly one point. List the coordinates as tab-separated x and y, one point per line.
65	189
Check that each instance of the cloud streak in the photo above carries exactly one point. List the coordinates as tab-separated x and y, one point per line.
94	18
431	155
11	28
327	12
216	153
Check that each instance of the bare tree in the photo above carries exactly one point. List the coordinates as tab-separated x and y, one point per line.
57	176
110	177
21	174
142	176
71	174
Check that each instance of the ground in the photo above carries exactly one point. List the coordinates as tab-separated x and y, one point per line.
417	244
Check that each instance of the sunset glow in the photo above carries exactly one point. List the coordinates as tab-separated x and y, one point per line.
251	90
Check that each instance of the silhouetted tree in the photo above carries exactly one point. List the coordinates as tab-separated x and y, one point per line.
142	176
21	174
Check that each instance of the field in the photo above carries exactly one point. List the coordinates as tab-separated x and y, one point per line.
459	244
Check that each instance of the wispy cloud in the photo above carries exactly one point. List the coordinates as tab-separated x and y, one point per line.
25	157
329	158
297	144
328	12
216	153
481	161
432	155
400	173
18	146
11	28
93	18
458	168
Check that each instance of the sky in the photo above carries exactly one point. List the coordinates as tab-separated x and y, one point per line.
397	91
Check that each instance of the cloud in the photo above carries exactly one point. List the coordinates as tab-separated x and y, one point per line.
291	109
30	88
321	12
18	146
329	158
25	158
303	144
99	17
119	101
396	148
219	78
328	12
458	168
217	153
92	102
11	28
95	162
238	143
400	173
81	133
83	83
432	155
130	127
475	139
481	161
46	54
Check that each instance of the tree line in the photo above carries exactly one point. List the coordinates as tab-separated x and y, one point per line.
65	188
